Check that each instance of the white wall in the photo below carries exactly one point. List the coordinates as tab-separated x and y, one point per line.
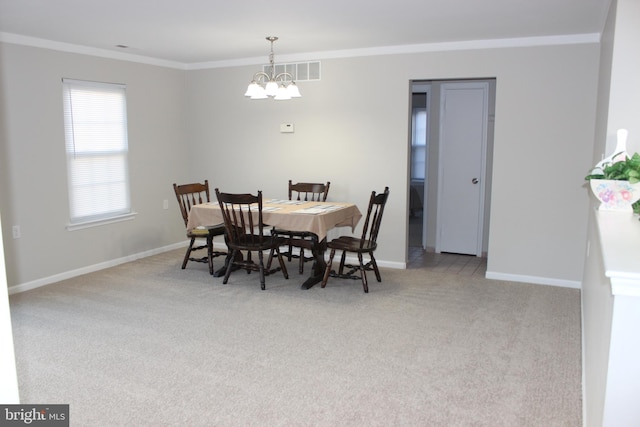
350	128
618	107
624	97
9	393
35	192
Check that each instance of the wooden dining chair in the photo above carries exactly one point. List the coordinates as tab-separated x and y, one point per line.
194	194
302	191
366	244
309	191
244	231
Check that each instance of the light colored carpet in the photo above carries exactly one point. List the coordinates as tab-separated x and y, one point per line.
149	344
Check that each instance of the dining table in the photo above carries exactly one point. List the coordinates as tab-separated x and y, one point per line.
317	218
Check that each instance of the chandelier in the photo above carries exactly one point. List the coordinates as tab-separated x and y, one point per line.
279	86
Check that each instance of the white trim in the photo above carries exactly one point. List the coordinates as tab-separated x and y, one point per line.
381	263
94	84
90	269
413	48
389	264
624	287
86	50
99	222
421	88
346	53
23	287
536	280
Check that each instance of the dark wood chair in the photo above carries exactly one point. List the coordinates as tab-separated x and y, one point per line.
366	244
244	231
309	191
194	194
302	191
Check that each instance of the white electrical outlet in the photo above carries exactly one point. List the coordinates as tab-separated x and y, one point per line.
165	204
16	231
286	128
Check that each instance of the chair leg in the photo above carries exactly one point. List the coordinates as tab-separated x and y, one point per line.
328	269
270	260
210	253
283	267
248	261
363	274
301	266
374	264
261	269
342	260
290	251
188	254
229	266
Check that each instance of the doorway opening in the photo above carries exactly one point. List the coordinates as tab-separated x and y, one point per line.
445	115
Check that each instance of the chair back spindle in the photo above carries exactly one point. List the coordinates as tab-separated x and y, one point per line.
377	203
309	191
189	195
242	215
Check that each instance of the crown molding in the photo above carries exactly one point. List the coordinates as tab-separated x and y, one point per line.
335	54
408	49
85	50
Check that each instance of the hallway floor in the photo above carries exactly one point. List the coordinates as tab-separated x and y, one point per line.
468	265
453	263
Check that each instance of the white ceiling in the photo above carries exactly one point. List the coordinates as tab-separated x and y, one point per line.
210	31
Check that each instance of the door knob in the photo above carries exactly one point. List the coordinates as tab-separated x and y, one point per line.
474	181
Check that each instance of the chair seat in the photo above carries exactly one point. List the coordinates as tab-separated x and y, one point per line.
215	230
300	239
293	233
352	244
267	243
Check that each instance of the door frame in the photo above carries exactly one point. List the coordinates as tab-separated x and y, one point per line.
484	85
426	89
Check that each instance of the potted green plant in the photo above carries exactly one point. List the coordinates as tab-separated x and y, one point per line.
617	183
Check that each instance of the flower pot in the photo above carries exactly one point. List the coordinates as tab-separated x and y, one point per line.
615	195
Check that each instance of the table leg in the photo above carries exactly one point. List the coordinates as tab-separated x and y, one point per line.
318	249
220	272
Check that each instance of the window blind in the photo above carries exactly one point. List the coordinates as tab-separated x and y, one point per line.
418	143
95	118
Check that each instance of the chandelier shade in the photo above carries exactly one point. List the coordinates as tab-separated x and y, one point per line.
279	86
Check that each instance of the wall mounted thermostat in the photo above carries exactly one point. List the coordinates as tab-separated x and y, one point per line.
286	128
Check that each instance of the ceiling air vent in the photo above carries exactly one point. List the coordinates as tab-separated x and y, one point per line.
301	71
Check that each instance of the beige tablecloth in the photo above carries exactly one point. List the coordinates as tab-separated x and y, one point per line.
316	217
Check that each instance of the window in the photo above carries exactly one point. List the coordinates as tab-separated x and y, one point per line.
95	119
418	143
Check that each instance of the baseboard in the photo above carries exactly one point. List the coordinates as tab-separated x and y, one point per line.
534	280
23	287
391	264
381	263
90	269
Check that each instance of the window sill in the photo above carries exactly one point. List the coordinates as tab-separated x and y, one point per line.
98	223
